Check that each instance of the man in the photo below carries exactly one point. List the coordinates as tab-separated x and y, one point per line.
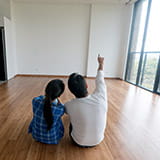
88	113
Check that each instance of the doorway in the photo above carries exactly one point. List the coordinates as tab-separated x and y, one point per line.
3	66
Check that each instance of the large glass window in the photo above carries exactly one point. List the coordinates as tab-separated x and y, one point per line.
139	25
140	13
149	69
159	88
133	67
144	49
153	32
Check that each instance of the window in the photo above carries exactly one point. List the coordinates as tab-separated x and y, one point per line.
143	62
159	88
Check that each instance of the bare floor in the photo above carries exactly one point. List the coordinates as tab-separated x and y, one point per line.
132	133
1	82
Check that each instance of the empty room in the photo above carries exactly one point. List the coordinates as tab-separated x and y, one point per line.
79	80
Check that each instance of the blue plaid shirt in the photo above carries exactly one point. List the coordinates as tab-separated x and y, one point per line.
38	126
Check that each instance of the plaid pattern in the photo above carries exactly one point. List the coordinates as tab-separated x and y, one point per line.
38	126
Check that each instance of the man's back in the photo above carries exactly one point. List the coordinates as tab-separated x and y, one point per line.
88	115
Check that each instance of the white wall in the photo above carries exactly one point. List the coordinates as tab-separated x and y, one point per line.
57	39
109	36
1	20
10	54
4	10
51	38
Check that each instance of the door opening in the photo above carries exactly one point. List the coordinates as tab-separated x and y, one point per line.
3	66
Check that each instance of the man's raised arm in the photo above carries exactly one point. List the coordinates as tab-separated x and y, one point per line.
100	83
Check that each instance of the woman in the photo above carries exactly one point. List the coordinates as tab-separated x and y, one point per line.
46	125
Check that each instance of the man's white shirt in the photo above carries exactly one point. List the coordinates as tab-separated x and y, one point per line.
88	115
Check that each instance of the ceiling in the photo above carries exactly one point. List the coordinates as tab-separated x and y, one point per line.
77	1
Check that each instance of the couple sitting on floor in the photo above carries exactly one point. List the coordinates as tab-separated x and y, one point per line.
87	113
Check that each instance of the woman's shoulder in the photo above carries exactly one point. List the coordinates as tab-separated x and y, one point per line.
38	99
59	108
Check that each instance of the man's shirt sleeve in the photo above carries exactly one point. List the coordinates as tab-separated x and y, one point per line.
100	85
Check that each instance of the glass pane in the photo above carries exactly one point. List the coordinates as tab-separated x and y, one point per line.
159	87
138	28
133	67
149	69
153	33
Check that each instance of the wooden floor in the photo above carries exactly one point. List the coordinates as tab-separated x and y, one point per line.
132	133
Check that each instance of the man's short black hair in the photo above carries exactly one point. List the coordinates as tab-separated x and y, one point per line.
77	85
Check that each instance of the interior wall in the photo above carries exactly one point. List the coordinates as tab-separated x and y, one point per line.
10	54
57	39
4	10
1	20
109	37
51	39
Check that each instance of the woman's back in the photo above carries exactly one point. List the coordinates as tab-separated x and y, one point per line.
38	126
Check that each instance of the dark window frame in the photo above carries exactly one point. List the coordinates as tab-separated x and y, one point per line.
140	70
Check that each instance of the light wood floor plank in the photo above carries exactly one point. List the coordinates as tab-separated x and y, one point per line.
132	133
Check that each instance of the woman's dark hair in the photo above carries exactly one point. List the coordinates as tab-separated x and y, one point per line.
53	90
77	85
